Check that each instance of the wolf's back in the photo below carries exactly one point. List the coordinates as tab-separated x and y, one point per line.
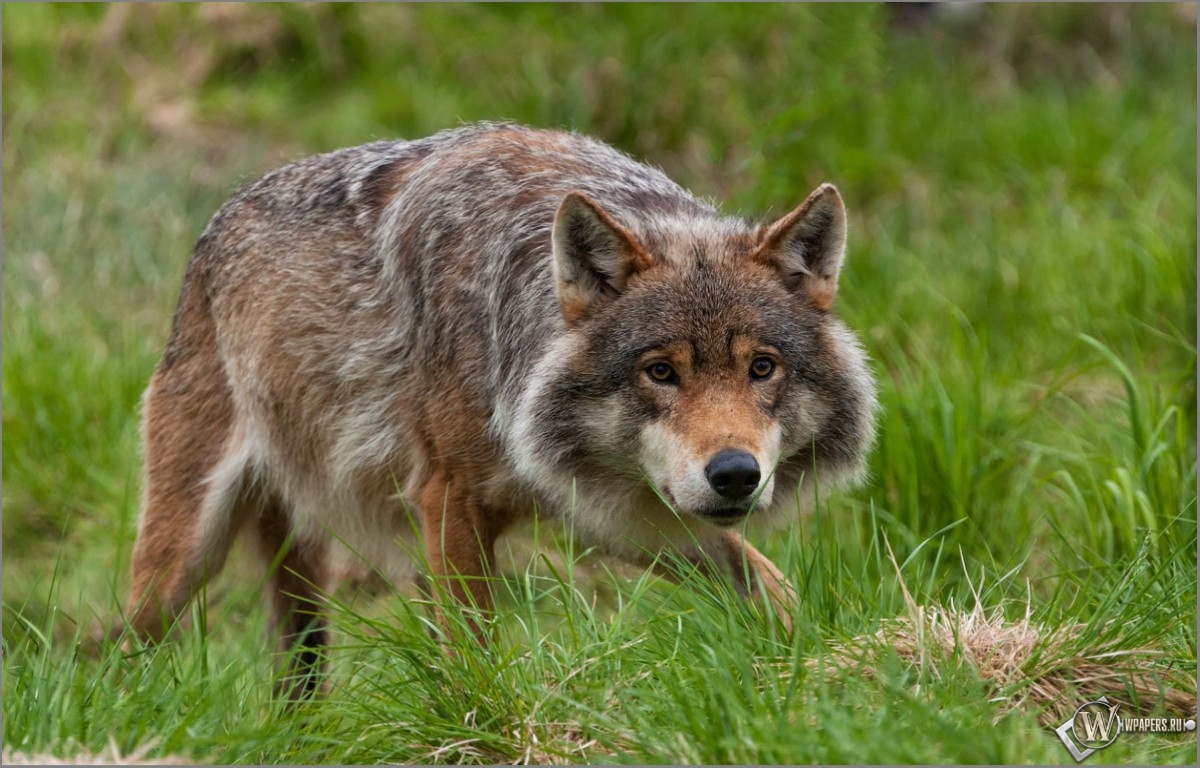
454	225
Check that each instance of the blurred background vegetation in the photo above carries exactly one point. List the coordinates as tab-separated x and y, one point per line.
1020	178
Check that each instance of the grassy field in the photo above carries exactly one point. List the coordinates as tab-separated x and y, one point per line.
1021	181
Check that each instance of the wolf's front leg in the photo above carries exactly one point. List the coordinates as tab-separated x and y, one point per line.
765	578
731	556
460	538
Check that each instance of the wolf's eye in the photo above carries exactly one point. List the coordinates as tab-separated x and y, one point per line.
762	368
662	373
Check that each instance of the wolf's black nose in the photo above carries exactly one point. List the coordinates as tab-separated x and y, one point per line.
733	474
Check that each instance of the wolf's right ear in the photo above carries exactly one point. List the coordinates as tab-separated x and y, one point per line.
808	246
594	256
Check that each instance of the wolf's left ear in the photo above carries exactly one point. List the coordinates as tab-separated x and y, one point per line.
808	245
594	256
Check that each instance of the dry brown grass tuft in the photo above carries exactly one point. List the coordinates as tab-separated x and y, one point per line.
1025	665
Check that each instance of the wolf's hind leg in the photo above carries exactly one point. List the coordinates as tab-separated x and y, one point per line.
194	480
298	574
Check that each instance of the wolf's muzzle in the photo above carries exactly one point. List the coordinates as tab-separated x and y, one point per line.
733	474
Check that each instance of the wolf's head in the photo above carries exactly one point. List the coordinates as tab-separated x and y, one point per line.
701	356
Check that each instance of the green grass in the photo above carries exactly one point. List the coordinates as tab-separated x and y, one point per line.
1021	185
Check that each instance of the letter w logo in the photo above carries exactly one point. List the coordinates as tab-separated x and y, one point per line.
1095	727
1098	732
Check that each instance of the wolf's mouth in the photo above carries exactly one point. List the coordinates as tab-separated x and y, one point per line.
725	517
720	516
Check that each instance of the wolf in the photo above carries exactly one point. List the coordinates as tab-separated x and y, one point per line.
493	324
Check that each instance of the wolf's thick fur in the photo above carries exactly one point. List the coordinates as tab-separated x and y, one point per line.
467	330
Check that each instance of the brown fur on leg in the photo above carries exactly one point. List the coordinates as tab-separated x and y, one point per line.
187	524
460	545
